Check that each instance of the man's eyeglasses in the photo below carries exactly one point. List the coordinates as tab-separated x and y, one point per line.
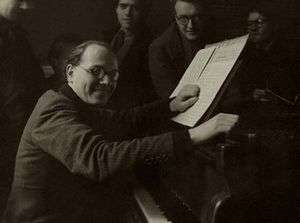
184	20
100	72
257	23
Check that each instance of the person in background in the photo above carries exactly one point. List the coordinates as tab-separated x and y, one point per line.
172	52
264	93
269	69
59	49
21	83
272	52
71	158
131	44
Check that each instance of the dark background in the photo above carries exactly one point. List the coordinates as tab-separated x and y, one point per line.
91	17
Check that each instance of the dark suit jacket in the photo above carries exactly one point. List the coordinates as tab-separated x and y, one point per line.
70	160
167	62
21	83
134	86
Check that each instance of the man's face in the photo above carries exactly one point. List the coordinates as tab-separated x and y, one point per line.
95	78
10	9
190	19
259	27
128	13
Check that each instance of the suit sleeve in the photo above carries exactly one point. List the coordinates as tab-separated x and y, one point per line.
61	133
138	120
162	71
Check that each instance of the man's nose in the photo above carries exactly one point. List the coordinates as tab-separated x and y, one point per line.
128	11
190	24
105	80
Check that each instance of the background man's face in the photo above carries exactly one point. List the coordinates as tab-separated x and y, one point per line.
91	87
259	27
194	17
128	13
10	9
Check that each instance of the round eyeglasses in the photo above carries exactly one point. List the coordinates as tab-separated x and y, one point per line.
184	20
257	23
99	71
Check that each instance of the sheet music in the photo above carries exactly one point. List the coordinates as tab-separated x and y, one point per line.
195	69
219	59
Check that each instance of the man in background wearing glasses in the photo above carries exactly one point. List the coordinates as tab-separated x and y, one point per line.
173	51
264	93
269	70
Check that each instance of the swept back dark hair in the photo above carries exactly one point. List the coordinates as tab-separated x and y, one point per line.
145	4
203	3
75	56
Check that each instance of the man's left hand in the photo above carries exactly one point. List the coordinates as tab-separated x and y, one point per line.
186	97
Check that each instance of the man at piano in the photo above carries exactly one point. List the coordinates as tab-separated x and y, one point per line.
70	159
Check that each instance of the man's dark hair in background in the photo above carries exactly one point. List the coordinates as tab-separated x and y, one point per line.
144	6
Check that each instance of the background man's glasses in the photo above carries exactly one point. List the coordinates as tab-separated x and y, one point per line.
184	20
257	23
99	71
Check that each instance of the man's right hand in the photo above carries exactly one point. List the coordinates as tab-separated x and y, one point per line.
221	123
186	97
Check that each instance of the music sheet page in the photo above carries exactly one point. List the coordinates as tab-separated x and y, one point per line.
209	70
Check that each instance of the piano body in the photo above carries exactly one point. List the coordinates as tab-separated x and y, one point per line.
241	178
237	181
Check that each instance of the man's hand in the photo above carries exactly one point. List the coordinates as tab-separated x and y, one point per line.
186	97
221	123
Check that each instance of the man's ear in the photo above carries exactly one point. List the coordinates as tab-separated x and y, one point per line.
69	73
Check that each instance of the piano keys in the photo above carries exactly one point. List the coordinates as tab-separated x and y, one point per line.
150	210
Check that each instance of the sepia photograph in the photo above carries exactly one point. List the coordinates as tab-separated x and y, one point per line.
149	111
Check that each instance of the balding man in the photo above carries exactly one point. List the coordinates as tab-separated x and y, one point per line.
71	158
